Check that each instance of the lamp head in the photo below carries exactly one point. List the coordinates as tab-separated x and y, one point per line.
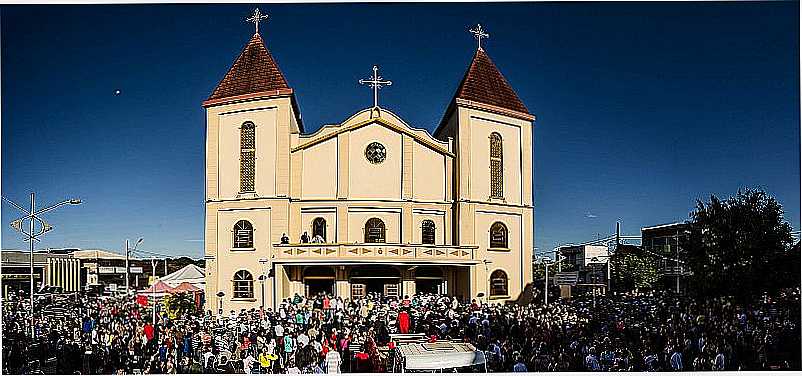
138	242
75	201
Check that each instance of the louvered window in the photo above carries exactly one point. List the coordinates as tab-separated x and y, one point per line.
496	166
427	231
247	162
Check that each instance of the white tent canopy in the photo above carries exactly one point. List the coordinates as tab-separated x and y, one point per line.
190	273
439	355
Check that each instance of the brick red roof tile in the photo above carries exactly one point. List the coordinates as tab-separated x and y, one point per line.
254	71
484	83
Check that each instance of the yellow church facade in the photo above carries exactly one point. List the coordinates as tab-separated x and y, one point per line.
368	205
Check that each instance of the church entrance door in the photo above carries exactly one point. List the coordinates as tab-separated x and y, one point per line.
383	280
318	279
428	280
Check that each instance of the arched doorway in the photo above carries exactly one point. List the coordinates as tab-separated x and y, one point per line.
319	228
377	279
428	280
318	279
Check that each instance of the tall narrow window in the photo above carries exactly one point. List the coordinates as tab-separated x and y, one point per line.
375	231
243	234
247	157
498	235
496	166
498	283
243	285
427	231
319	228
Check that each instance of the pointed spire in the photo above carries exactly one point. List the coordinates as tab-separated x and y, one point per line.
254	71
484	83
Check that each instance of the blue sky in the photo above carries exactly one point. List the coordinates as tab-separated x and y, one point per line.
641	107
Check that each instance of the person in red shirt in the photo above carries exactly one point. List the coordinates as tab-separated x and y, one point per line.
148	331
403	322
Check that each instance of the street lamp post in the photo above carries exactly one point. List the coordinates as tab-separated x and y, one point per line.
558	262
32	236
594	285
220	296
153	289
127	268
262	279
487	271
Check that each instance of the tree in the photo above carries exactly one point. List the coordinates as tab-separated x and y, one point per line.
634	271
731	244
179	304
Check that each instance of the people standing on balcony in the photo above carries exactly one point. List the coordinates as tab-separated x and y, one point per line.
285	239
304	237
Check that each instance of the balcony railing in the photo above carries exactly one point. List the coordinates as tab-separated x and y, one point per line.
323	251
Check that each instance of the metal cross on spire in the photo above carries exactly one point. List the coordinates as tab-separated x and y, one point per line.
376	83
479	33
256	18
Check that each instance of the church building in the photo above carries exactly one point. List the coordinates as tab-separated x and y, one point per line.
371	204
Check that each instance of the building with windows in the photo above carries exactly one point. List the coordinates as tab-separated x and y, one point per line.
664	242
50	268
370	204
589	260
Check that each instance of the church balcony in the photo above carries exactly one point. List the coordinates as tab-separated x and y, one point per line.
385	252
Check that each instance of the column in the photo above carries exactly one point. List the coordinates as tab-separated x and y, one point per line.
342	287
407	283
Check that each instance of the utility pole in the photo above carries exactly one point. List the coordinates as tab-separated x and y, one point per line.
546	287
127	268
679	270
610	257
127	284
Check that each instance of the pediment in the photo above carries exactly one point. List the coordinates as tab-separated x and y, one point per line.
369	117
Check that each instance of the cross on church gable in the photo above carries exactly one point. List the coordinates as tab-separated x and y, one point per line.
375	82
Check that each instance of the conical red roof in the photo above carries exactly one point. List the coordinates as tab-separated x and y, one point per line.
254	71
484	83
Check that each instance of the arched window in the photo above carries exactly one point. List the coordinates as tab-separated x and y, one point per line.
243	234
427	231
496	166
498	283
243	284
247	157
498	235
319	228
375	231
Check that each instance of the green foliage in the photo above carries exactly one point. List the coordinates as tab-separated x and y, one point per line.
732	244
179	304
634	272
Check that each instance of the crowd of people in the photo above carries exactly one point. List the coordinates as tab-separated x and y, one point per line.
326	334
